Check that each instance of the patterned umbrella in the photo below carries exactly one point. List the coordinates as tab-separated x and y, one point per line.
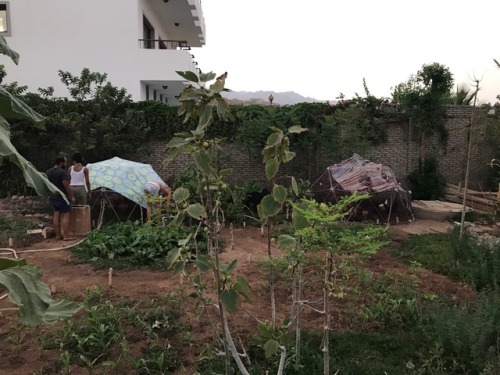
123	176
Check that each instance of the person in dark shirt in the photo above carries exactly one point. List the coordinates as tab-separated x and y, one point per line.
61	179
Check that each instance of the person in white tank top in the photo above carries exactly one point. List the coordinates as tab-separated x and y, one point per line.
80	183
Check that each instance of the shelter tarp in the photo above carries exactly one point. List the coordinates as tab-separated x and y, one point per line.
387	197
363	176
123	176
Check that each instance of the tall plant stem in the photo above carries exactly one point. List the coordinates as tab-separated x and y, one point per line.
467	164
299	309
271	274
326	312
215	253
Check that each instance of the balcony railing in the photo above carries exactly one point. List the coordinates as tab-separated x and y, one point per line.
163	44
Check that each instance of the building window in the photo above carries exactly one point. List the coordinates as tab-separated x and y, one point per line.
148	34
4	18
147	92
154	94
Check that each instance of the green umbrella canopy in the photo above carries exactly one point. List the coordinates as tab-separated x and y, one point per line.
123	176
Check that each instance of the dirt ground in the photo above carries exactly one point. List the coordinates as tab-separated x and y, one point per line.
69	280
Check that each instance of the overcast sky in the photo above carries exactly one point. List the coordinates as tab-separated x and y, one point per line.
320	48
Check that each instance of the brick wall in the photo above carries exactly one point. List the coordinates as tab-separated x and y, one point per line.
399	152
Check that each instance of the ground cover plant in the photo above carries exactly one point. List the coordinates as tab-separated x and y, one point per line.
13	228
469	261
132	245
110	335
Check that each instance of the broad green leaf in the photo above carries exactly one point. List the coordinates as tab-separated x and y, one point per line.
185	241
265	331
279	194
286	242
7	51
223	110
299	221
179	218
297	129
217	87
262	215
295	187
26	290
203	162
241	287
172	257
271	347
229	299
206	77
274	139
172	153
9	262
270	206
180	195
225	172
189	75
269	153
12	108
179	267
229	267
204	263
196	211
288	156
272	167
206	117
60	310
31	175
177	142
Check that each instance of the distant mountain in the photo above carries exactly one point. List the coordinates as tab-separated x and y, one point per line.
262	97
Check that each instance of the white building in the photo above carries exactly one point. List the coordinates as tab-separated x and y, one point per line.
138	43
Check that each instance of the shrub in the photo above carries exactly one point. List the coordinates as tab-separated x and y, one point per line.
470	335
426	182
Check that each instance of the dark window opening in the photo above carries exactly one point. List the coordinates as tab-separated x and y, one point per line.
147	92
154	94
148	34
4	18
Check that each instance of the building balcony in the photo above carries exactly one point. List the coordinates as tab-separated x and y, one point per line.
179	45
162	63
158	66
178	20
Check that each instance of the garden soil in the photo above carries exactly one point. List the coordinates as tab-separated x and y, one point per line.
69	280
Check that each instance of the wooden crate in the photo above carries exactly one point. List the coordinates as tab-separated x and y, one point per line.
79	223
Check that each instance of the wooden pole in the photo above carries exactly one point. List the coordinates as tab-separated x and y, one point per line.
467	164
110	277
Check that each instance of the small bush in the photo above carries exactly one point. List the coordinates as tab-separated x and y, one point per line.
470	335
426	182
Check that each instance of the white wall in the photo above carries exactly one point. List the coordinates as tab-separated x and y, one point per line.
101	35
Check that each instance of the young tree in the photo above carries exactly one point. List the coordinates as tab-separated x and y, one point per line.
320	227
198	102
423	97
